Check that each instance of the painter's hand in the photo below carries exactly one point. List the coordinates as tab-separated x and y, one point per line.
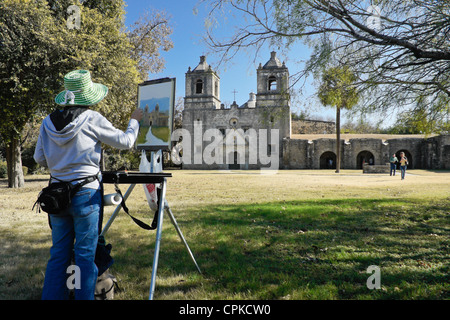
137	114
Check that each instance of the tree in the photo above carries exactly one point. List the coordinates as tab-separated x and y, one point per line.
37	48
178	113
400	48
337	89
148	35
361	126
26	56
417	121
301	115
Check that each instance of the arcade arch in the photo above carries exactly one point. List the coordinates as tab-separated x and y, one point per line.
328	160
364	157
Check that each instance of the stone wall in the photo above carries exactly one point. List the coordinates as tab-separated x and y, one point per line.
431	153
297	154
436	152
359	151
313	127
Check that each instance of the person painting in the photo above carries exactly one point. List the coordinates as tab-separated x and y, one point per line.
393	161
69	144
403	163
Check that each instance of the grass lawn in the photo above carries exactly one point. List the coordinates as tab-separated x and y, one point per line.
297	234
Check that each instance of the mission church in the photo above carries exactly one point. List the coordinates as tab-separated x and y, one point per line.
258	133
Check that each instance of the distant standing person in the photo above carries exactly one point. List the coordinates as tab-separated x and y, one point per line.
403	163
393	160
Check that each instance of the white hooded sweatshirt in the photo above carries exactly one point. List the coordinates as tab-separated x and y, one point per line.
74	151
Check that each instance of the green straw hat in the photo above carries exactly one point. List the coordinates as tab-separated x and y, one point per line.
80	90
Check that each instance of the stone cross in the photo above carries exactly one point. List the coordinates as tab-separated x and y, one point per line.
234	94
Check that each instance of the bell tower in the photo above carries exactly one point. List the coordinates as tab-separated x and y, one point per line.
202	87
272	83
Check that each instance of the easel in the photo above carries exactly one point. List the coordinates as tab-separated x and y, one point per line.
145	178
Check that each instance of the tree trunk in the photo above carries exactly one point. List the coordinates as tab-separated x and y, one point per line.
14	164
338	139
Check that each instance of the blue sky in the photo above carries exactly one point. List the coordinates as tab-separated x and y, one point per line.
240	74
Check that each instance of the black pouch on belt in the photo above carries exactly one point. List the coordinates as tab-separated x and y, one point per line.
58	196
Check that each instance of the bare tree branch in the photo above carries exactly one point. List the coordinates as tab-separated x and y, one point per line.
404	57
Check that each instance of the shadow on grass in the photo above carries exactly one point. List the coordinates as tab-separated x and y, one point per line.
300	250
279	250
23	266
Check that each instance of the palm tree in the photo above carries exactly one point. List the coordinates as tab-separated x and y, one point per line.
337	89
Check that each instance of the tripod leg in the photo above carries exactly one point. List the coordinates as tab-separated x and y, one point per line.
116	211
174	222
158	238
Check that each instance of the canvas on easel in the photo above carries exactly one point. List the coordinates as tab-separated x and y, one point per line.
157	99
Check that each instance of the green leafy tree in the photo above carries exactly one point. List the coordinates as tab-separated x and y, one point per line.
37	48
338	89
417	120
28	58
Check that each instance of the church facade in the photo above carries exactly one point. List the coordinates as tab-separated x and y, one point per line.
249	136
258	133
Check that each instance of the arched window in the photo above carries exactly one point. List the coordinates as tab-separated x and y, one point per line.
199	86
272	83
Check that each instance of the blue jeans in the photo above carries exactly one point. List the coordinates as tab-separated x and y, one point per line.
393	167
78	223
403	171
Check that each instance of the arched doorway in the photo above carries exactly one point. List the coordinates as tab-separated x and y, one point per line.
235	164
328	160
407	155
364	157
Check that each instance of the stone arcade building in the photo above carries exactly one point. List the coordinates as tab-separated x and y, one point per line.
258	133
